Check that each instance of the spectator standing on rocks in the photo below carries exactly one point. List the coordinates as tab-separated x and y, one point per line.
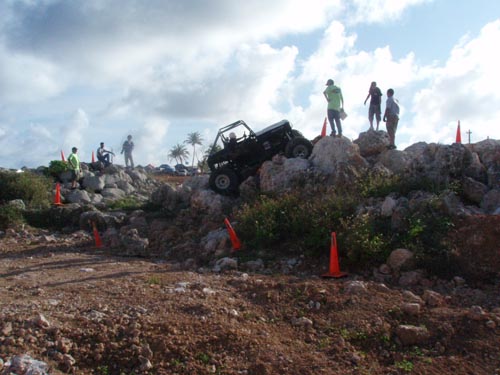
333	95
103	155
391	118
376	98
74	166
127	148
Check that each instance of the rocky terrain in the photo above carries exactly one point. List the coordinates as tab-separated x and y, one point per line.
166	295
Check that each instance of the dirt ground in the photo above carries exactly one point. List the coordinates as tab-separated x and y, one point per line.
84	310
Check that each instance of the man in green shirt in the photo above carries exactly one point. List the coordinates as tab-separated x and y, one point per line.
333	95
74	166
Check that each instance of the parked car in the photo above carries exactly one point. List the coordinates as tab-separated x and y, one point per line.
181	172
167	169
243	151
193	171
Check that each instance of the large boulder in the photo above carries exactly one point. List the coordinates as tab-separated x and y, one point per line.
93	182
281	174
339	160
397	162
401	259
168	198
476	169
372	142
207	202
473	190
330	152
491	201
489	153
438	162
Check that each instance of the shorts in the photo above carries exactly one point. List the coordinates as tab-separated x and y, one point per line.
374	111
74	175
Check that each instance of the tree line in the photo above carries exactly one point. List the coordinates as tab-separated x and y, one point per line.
180	153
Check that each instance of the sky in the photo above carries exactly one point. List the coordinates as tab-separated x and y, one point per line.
77	73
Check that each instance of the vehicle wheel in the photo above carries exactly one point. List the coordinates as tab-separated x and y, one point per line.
224	181
298	148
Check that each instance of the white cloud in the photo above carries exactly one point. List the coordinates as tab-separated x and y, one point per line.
466	89
379	11
155	68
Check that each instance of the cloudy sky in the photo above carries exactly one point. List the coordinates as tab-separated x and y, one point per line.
75	73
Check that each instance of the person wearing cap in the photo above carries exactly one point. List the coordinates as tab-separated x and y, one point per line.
376	98
127	148
74	166
333	95
103	155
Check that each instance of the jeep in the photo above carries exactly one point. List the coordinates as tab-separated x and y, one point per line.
238	152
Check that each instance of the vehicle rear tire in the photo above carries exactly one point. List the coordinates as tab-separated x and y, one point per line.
224	181
298	148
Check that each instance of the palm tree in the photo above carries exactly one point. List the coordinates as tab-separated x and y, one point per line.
178	153
194	139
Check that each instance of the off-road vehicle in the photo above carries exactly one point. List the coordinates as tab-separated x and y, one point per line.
238	152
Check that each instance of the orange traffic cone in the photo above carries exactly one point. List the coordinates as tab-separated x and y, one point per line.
323	131
232	235
97	238
93	158
62	156
459	135
57	198
334	270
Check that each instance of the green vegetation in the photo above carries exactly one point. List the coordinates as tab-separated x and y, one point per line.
126	204
28	187
153	280
178	153
31	188
194	139
10	215
302	222
404	365
203	358
56	167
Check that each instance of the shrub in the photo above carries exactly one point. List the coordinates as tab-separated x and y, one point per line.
126	204
31	188
304	223
366	239
56	167
10	215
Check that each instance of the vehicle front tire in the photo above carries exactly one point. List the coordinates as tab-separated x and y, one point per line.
224	181
298	148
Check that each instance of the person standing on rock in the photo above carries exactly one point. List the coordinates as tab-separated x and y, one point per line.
333	95
74	166
376	98
391	118
127	149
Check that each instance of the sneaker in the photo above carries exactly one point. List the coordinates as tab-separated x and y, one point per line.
340	135
332	134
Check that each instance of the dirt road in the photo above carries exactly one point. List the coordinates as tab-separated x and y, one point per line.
86	311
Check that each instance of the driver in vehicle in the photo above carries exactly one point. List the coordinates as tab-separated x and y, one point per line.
231	145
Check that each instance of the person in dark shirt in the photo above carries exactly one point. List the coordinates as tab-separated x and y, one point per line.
375	101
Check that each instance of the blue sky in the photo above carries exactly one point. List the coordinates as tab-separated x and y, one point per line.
78	73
